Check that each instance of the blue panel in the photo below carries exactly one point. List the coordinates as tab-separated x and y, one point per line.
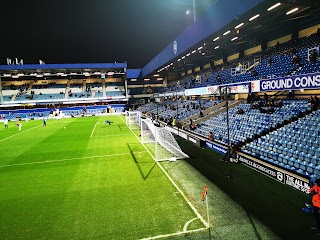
217	16
133	73
64	66
305	81
39	110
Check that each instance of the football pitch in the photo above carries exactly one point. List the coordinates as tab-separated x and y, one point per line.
80	179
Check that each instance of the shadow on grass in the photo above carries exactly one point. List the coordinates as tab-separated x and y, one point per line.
145	167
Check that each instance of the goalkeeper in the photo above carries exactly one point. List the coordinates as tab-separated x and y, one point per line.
107	122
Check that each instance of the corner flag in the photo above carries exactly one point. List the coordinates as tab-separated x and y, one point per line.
205	193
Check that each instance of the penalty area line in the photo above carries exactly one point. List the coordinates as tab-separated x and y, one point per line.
19	133
173	183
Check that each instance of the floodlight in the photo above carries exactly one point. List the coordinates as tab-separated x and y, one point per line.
227	32
239	25
274	6
254	17
292	11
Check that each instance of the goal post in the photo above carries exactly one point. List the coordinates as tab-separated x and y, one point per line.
133	119
160	142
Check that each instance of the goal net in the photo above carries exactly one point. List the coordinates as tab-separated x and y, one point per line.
160	142
133	119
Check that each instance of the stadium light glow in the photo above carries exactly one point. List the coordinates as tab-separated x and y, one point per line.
188	54
217	38
183	57
274	6
292	11
235	38
199	48
110	73
39	76
193	51
156	75
15	76
179	60
159	78
133	79
46	74
20	74
239	25
203	53
147	79
216	47
254	17
227	32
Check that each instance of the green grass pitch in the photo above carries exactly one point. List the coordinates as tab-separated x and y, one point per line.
58	183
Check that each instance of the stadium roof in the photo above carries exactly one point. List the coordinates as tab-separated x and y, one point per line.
138	46
246	32
72	71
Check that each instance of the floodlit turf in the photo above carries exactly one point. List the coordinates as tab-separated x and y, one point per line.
58	183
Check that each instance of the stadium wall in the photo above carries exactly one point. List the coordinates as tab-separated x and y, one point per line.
232	57
281	40
308	31
295	181
252	50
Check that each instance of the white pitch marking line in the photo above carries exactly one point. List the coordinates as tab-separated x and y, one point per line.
173	183
19	133
174	234
187	224
94	129
65	160
116	135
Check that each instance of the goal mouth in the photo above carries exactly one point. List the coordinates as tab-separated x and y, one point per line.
160	141
133	119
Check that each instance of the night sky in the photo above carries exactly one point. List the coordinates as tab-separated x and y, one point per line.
92	31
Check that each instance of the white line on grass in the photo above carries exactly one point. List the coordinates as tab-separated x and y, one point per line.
176	186
19	133
94	129
187	224
116	135
174	234
65	160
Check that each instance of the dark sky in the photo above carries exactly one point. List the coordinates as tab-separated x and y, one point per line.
91	31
